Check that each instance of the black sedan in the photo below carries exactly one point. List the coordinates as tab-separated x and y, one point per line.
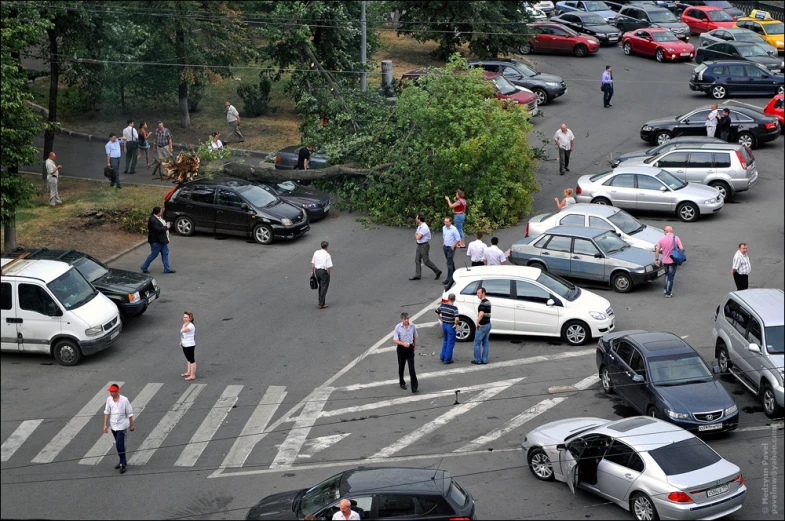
286	159
744	51
659	149
750	127
374	493
592	24
661	375
546	87
315	202
233	207
131	291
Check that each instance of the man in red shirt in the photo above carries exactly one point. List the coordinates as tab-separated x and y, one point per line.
665	245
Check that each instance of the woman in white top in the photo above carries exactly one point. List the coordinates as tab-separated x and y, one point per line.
568	199
188	344
216	143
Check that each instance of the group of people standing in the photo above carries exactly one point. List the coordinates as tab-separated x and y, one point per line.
135	144
714	122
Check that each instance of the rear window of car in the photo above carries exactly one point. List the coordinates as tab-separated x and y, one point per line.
595	177
457	495
746	153
684	456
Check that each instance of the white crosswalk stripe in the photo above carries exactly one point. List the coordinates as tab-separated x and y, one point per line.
209	427
18	437
253	432
302	426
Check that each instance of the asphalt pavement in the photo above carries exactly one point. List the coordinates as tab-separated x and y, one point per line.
321	385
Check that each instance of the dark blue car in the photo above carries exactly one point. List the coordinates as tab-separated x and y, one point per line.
661	375
735	78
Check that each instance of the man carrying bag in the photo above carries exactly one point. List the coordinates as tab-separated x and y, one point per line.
672	256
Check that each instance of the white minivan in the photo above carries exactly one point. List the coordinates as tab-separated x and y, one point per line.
49	307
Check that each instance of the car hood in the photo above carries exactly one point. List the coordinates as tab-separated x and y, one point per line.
673	25
649	234
306	194
556	432
542	76
601	29
122	281
697	191
590	302
277	506
636	256
718	471
643	152
770	62
281	210
662	122
522	97
702	397
97	312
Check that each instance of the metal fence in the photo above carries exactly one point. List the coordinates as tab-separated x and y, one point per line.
774	8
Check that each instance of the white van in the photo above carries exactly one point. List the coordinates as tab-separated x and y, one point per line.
49	307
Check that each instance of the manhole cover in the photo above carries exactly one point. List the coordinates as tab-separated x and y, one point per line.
770	262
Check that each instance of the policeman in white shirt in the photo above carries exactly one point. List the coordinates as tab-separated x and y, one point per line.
346	511
493	255
321	265
476	250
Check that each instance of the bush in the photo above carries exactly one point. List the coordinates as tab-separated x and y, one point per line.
256	99
135	221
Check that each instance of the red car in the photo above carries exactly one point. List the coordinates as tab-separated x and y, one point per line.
775	108
660	43
552	37
705	18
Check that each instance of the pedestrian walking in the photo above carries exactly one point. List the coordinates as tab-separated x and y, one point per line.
450	240
565	141
724	125
304	157
422	256
569	200
665	246
215	143
607	86
741	267
482	329
158	237
130	144
476	250
233	119
493	255
112	149
405	337
120	415
52	175
188	343
164	148
321	266
447	313
144	144
711	121
345	512
459	212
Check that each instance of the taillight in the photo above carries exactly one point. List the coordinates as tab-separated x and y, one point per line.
741	160
277	159
169	195
771	125
527	230
679	497
578	189
740	479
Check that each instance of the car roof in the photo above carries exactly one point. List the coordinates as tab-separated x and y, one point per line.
231	182
654	29
660	343
744	110
498	60
395	480
644	433
766	302
528	272
68	256
585	232
45	270
647	7
647	170
594	209
740	44
701	146
705	7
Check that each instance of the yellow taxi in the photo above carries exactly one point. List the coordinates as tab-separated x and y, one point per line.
762	23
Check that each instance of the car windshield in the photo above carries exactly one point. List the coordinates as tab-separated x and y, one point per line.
318	497
257	196
719	16
559	286
596	6
595	177
671	371
610	243
660	16
286	187
592	19
774	340
752	50
626	222
90	268
672	182
72	290
664	36
524	69
504	86
684	456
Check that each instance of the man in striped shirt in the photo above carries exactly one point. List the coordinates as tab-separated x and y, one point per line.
741	268
448	316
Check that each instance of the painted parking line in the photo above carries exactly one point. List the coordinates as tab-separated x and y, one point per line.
253	431
18	437
209	427
775	425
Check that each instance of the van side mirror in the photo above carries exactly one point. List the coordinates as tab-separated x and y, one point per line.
550	302
663	189
754	348
598	256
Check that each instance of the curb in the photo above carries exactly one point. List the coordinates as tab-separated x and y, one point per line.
127	250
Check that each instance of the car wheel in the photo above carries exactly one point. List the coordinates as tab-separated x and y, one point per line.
723	360
605	378
724	189
580	50
659	55
747	139
537	264
465	330
576	333
663	137
719	92
622	283
67	352
184	226
526	48
540	465
643	508
601	201
688	212
627	48
769	401
263	234
542	96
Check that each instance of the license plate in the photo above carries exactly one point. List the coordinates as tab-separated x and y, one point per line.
613	38
114	335
712	427
151	298
716	491
685	54
327	208
660	273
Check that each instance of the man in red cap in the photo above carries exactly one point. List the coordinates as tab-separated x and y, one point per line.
120	414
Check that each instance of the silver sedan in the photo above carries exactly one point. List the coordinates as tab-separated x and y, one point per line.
645	465
651	189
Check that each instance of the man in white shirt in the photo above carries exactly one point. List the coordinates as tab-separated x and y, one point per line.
233	119
493	255
321	265
476	250
130	144
711	121
346	512
422	256
741	268
53	173
565	140
120	414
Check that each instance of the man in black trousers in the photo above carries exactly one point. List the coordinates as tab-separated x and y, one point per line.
405	337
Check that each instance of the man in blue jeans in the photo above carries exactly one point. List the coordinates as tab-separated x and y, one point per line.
158	237
665	245
483	326
448	316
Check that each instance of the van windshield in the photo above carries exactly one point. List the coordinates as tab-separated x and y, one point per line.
72	290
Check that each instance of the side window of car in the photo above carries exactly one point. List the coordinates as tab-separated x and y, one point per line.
619	453
531	292
724	48
779	104
203	194
754	336
736	71
497	288
625	352
754	72
624	181
755	27
573	220
739	117
730	311
433	506
584	247
395	505
34	298
722	35
5	296
558	32
646	182
699	160
509	72
721	160
228	198
673	160
184	193
743	319
541	243
559	243
637	364
471	289
599	222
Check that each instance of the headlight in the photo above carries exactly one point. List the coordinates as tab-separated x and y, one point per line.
603	36
669	49
782	64
311	205
647	128
731	410
648	268
155	284
97	330
134	297
597	315
552	83
677	415
780	44
286	222
710	201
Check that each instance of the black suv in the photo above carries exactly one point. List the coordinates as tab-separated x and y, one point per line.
233	207
545	86
131	291
632	17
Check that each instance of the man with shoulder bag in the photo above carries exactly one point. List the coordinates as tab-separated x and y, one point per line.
672	256
130	145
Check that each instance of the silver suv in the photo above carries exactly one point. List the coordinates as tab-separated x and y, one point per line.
748	340
730	168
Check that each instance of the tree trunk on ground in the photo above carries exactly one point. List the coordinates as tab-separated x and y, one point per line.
185	117
270	175
54	80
